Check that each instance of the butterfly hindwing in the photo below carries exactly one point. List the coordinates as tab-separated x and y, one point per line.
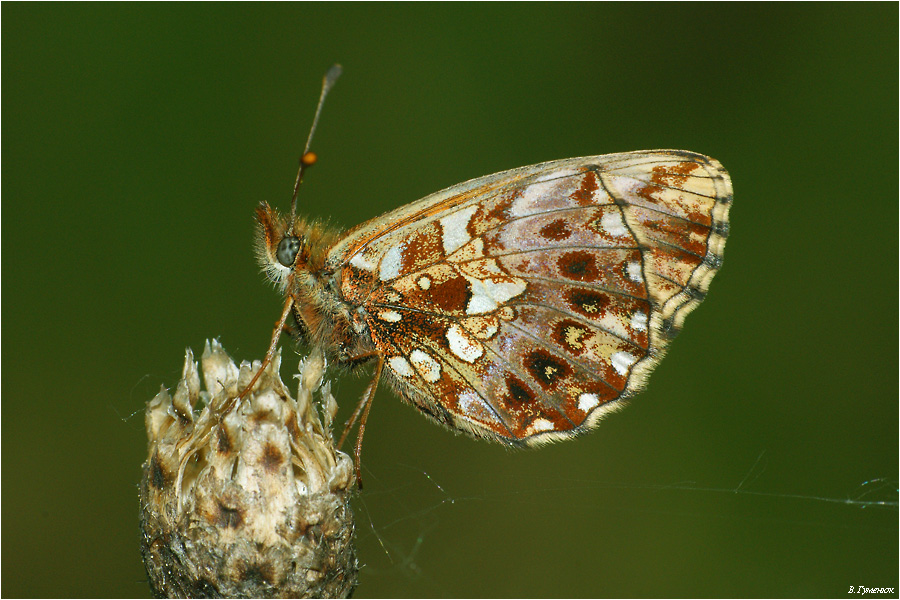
521	306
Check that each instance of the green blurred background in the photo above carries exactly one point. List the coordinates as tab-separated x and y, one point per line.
137	140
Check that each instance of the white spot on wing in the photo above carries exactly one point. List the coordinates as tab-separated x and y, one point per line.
539	425
611	222
400	366
639	321
480	303
488	294
587	401
390	263
424	282
427	367
455	235
599	196
462	345
360	262
532	194
503	290
622	361
391	316
634	272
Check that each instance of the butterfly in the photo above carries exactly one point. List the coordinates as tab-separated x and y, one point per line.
520	307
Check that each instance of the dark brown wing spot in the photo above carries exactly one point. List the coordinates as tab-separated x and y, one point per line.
519	393
579	265
587	302
556	231
452	295
546	368
498	211
570	335
361	278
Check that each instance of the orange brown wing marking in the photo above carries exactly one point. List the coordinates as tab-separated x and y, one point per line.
439	289
421	248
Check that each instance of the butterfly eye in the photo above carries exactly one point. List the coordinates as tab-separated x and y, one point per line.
288	248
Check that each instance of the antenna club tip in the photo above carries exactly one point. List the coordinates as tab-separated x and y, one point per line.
309	159
334	72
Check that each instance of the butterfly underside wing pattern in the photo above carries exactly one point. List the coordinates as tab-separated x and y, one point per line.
523	306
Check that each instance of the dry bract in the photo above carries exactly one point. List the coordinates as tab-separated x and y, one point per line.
246	499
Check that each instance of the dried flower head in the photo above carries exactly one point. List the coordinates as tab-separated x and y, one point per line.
246	499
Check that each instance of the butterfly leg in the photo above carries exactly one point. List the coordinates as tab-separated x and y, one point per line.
270	354
353	362
363	408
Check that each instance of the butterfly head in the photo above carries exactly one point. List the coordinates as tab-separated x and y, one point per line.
282	247
285	248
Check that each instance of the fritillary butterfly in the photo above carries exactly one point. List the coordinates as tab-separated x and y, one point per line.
519	307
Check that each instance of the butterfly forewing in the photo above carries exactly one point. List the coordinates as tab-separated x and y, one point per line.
521	306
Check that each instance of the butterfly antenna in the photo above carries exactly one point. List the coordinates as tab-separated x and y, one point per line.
309	158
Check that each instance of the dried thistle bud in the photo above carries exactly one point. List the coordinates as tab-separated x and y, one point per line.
246	499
